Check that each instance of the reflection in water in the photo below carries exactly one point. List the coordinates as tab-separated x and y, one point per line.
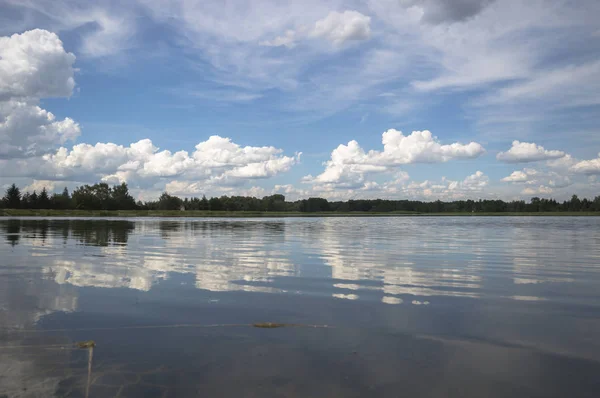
23	303
418	305
103	233
12	231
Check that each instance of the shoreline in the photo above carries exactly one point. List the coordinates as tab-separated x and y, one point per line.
8	213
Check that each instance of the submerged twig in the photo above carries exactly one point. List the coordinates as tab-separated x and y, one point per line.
90	355
271	325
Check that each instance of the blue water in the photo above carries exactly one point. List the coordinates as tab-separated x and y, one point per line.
406	306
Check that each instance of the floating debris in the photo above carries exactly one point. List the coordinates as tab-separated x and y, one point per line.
86	344
269	325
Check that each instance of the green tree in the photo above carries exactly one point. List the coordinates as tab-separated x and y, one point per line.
596	204
314	205
274	203
169	202
121	199
204	203
93	197
61	201
33	202
43	199
12	199
575	203
215	204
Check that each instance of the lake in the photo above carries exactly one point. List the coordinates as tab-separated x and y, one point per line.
370	307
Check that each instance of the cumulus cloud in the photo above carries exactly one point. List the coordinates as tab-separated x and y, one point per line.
215	162
587	166
523	152
33	65
349	163
539	190
475	181
184	188
28	130
401	186
563	163
39	185
340	27
539	178
446	189
516	176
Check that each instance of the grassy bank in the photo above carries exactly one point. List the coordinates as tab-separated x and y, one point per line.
246	214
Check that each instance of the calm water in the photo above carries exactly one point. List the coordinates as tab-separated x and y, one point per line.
416	307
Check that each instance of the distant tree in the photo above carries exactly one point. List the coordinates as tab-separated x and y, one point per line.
121	199
61	201
12	199
93	197
103	197
215	204
84	198
43	199
204	203
274	203
596	204
169	202
314	205
575	203
26	201
33	202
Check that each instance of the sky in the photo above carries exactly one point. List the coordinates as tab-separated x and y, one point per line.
399	99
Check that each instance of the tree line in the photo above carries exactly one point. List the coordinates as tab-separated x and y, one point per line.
101	196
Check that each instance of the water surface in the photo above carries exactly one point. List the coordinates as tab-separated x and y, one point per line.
414	306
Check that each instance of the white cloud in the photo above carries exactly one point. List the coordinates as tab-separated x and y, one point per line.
563	163
39	185
340	27
475	181
475	52
336	27
349	163
539	190
538	180
447	189
573	85
287	40
28	130
111	35
523	152
400	186
102	30
216	162
516	176
185	188
33	65
587	166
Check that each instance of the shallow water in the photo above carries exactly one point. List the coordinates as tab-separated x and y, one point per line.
414	306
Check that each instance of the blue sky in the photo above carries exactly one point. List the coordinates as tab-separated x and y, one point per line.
298	96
